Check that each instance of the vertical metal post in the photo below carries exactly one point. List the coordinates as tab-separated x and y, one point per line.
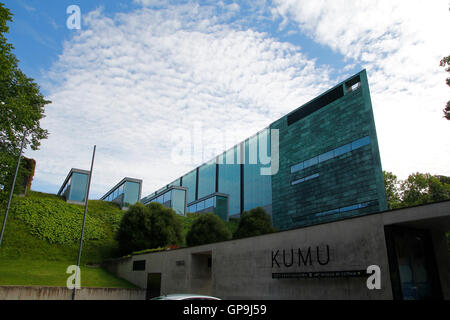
12	188
84	222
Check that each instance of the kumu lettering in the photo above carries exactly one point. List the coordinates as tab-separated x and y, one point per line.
299	257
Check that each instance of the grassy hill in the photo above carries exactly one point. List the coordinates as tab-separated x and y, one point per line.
42	238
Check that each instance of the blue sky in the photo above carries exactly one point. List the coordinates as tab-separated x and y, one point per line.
140	71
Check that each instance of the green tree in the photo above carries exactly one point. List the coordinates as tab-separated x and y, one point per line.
253	223
392	185
446	62
21	106
208	228
421	188
146	227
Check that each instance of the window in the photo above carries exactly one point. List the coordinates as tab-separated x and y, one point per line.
297	181
311	162
297	167
360	143
207	179
315	105
326	156
200	206
139	265
189	182
230	180
209	203
331	154
341	150
353	84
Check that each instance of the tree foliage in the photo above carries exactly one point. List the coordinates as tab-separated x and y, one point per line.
446	62
253	223
207	228
146	227
21	106
418	188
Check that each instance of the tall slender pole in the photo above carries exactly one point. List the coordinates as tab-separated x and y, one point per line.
84	222
12	188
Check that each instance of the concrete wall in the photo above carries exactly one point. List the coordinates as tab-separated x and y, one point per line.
62	293
242	269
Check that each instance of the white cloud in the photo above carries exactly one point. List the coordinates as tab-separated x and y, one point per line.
400	43
126	82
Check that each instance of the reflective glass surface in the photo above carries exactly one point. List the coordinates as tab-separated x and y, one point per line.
78	186
178	201
207	179
131	193
257	187
230	180
189	182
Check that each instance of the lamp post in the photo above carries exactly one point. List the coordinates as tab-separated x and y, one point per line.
12	188
84	222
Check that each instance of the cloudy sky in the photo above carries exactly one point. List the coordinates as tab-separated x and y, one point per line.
143	76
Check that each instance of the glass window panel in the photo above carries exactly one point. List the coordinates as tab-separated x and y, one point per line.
78	186
257	187
349	208
297	181
167	197
175	183
230	182
207	179
200	205
311	162
326	156
360	143
179	201
221	208
209	202
297	167
189	182
341	150
311	177
131	193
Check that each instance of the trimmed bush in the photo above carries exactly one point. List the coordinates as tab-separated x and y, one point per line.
254	223
207	228
147	227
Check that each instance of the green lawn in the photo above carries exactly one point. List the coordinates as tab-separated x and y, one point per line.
53	273
28	259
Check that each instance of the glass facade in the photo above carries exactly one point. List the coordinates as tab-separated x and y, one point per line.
189	182
216	204
171	198
257	187
131	191
230	179
126	193
310	176
206	179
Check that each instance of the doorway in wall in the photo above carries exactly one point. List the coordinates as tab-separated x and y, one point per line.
201	272
153	285
412	264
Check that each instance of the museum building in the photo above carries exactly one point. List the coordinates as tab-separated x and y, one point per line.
324	190
318	163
